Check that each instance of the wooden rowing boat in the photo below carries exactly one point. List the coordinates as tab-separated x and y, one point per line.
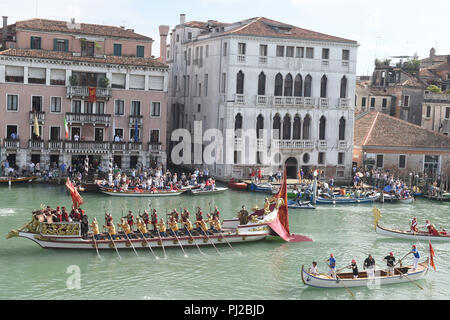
18	179
347	200
200	192
237	185
262	187
402	234
345	280
141	193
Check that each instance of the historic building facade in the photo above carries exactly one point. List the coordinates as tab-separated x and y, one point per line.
259	74
101	83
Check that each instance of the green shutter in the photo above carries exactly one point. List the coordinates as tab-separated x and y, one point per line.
117	49
140	51
66	45
55	44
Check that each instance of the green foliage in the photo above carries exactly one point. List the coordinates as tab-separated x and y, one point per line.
73	80
104	82
434	88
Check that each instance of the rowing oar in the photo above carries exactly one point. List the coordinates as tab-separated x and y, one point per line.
179	242
192	236
400	261
160	239
95	244
404	274
143	236
130	243
342	281
113	244
206	234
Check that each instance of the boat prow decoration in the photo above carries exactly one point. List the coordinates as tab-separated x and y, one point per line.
279	210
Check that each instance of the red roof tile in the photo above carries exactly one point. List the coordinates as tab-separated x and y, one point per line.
379	129
56	55
79	28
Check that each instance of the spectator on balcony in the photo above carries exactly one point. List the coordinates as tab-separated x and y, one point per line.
13	136
76	137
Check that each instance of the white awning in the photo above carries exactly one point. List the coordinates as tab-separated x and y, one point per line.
57	74
38	73
118	79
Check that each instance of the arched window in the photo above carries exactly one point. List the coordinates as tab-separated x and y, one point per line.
344	87
278	85
322	125
342	128
308	86
298	84
262	84
276	127
259	126
288	85
323	86
296	132
306	127
287	127
238	122
240	82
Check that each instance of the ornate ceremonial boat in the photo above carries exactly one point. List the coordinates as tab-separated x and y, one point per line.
345	280
141	193
272	220
17	180
200	192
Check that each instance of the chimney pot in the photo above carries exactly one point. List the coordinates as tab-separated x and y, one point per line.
182	18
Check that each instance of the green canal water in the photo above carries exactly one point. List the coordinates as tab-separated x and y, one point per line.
267	270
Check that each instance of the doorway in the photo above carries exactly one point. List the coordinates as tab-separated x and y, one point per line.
291	168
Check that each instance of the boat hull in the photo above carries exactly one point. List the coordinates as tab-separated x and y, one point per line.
142	194
409	235
237	185
198	192
17	180
346	200
292	204
325	281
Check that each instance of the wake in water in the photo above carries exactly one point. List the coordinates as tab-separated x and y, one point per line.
6	212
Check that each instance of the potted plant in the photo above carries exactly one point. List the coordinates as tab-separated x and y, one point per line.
73	80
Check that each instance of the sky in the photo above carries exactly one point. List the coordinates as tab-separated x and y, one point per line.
382	28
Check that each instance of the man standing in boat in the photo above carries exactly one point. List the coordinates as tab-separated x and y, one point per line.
145	217
155	220
354	268
331	266
243	216
390	259
130	219
414	225
369	266
216	212
416	257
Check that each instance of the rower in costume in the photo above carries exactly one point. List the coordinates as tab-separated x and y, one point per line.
216	212
142	226
145	217
94	226
173	225
126	228
111	229
162	228
154	220
130	219
414	225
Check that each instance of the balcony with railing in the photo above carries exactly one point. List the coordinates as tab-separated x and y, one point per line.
322	144
293	144
11	144
436	97
134	146
118	146
324	102
40	115
83	92
35	144
241	58
90	118
239	98
55	145
262	59
154	146
344	102
87	146
262	99
342	144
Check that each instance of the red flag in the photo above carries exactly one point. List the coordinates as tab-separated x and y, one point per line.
92	94
281	224
431	256
77	200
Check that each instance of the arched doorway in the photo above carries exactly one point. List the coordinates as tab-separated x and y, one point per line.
291	168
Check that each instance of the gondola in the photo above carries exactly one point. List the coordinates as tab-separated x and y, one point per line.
200	192
294	204
142	193
347	200
17	179
345	279
407	234
256	226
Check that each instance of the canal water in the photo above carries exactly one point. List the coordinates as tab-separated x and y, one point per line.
268	269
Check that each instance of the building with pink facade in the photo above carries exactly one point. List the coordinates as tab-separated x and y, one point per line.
101	81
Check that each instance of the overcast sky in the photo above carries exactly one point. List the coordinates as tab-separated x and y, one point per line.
383	28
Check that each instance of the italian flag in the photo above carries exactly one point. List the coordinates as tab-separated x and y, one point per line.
66	127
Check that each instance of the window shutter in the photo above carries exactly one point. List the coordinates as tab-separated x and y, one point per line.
55	44
66	45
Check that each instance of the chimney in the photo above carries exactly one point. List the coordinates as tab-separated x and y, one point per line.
163	31
182	18
4	31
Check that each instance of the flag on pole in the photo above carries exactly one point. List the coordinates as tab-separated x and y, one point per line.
136	131
77	200
66	128
431	256
36	126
